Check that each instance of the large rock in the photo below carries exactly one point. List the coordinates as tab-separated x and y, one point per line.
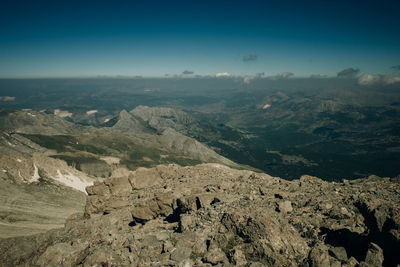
63	254
285	206
374	257
180	254
143	178
142	213
95	204
119	186
215	256
98	189
319	256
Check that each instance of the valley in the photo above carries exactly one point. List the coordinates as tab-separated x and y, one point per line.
344	129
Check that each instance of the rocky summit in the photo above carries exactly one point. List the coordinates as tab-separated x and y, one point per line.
212	215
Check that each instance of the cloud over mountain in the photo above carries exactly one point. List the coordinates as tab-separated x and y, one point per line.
248	79
390	79
348	73
369	79
373	79
7	98
223	74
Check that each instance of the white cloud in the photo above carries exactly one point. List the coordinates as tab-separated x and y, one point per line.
7	98
368	79
389	79
371	79
248	79
223	74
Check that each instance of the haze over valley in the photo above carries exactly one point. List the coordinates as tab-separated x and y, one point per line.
332	128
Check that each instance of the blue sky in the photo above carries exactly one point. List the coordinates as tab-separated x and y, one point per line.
154	38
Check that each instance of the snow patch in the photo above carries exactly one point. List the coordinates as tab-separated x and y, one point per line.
73	181
4	170
106	120
10	144
62	113
36	176
266	106
90	112
217	165
19	160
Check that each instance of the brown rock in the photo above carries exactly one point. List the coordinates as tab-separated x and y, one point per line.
186	222
180	254
238	257
374	256
101	257
95	204
339	253
142	213
143	178
119	186
115	204
63	254
98	189
285	206
319	256
187	204
205	199
215	256
165	203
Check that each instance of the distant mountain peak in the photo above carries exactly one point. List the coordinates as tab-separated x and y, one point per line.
161	118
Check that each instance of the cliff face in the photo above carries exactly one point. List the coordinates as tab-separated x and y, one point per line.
212	215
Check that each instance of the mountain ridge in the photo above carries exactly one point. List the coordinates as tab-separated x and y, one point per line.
45	152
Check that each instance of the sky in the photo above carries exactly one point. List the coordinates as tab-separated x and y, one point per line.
157	38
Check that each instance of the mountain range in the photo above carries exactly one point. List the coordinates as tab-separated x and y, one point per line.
178	178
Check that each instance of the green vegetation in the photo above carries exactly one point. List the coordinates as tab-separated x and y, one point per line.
56	142
64	143
183	161
194	256
80	150
77	161
142	156
232	242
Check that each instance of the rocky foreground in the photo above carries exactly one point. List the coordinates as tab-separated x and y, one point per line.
212	215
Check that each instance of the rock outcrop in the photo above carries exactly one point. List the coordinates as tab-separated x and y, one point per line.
211	215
